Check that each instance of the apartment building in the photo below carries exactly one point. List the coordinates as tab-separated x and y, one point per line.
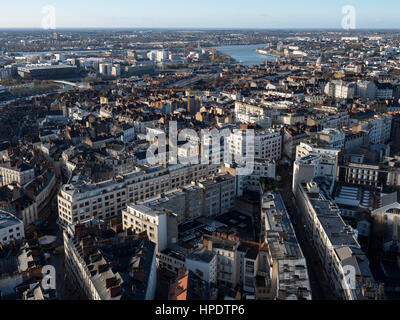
291	139
314	162
287	267
366	89
361	174
171	259
340	89
354	141
384	91
91	253
20	174
159	217
250	114
203	263
226	252
186	202
378	128
335	138
392	166
11	228
81	199
160	225
336	120
218	194
386	215
238	262
262	169
385	173
345	265
267	144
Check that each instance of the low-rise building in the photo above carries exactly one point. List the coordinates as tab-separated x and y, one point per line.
203	263
11	228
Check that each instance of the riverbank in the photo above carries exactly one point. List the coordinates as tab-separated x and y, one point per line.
269	53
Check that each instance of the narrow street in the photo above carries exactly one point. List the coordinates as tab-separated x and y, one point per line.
50	227
320	290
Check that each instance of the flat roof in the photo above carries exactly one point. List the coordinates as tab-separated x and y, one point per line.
8	220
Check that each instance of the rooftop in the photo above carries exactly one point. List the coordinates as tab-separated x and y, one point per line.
8	220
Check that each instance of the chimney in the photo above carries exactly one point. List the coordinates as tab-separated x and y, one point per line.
209	245
138	275
110	282
103	268
181	273
115	291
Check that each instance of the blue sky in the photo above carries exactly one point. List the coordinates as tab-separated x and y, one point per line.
200	13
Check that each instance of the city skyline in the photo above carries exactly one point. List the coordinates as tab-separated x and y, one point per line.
205	15
209	152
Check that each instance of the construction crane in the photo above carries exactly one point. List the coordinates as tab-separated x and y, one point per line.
213	55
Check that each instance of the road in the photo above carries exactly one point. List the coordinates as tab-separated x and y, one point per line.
319	287
64	291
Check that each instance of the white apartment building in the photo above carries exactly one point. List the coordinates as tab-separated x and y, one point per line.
210	197
340	89
203	263
161	226
237	262
105	69
334	137
11	228
80	200
361	174
116	70
171	260
304	149
250	114
20	174
378	128
336	246
336	120
312	162
157	55
267	144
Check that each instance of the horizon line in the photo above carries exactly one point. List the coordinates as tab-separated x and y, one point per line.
203	28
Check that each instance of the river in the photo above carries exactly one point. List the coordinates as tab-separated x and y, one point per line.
245	54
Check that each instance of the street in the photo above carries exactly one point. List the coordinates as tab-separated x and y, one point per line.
319	288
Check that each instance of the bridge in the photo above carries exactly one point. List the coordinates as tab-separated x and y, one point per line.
72	84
